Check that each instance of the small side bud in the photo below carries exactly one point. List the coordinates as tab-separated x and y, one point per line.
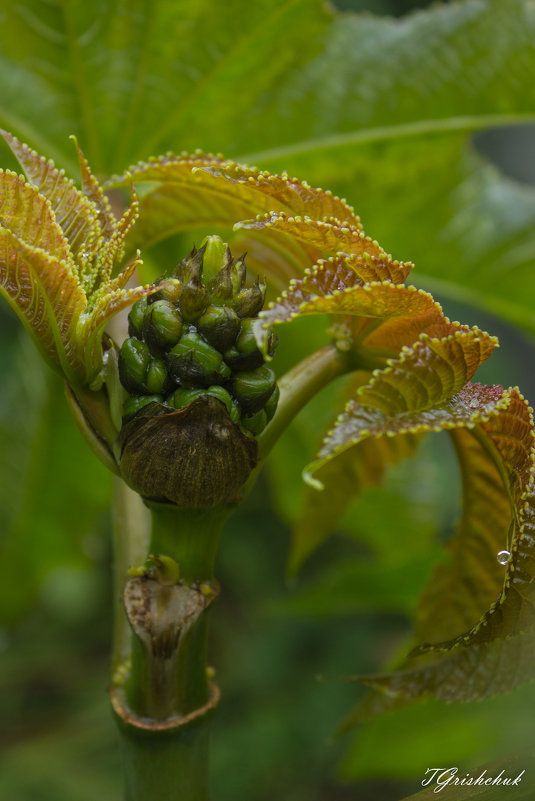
164	569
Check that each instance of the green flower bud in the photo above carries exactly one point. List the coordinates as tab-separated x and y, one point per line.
134	359
193	362
215	251
238	274
271	405
255	423
253	388
190	268
183	397
193	301
220	287
231	406
249	301
245	354
246	346
134	403
194	346
136	317
220	326
233	357
162	326
171	290
156	377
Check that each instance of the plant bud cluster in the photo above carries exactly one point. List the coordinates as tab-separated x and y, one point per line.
194	337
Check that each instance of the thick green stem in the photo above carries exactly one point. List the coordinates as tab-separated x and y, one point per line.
131	535
164	700
166	762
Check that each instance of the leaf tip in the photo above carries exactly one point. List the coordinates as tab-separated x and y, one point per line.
310	480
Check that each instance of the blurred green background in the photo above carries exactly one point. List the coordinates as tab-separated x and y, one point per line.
460	203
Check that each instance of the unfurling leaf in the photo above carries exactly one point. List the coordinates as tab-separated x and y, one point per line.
206	190
59	246
477	617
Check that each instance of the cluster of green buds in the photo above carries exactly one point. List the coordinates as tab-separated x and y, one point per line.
193	340
195	337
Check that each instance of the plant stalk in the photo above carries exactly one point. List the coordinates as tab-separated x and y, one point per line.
299	385
163	698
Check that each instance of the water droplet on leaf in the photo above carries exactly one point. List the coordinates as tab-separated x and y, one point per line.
503	557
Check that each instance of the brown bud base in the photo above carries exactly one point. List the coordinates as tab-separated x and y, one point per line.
195	457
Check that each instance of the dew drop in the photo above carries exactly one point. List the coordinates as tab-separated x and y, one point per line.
503	557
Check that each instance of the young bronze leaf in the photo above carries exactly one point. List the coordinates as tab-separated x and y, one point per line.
46	295
59	248
421	391
74	213
93	191
113	247
374	300
399	332
466	674
295	196
319	238
185	197
28	215
258	191
462	588
108	303
500	453
497	652
344	478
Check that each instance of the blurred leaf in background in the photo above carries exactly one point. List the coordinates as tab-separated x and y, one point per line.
382	110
